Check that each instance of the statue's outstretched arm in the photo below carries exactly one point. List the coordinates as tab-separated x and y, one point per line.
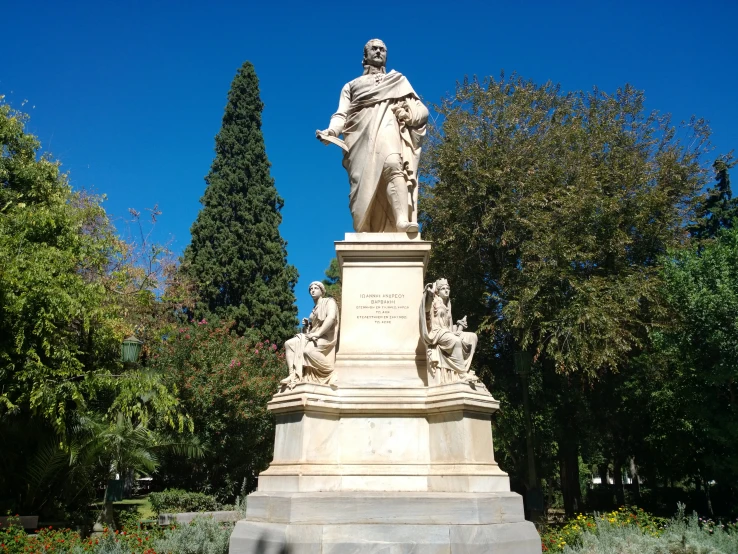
338	119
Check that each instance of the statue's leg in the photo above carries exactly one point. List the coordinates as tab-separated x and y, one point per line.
397	193
457	352
289	353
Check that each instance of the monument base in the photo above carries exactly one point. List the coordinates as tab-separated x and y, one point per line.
386	459
392	522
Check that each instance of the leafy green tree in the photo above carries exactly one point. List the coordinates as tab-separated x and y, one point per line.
237	255
67	284
695	363
57	331
548	213
720	209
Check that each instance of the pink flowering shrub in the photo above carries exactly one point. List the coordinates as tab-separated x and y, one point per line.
224	382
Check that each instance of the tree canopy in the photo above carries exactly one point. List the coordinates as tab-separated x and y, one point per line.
69	294
550	213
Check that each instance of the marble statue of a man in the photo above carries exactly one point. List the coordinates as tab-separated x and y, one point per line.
450	347
311	354
383	123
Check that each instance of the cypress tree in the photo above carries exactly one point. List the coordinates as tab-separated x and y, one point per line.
237	255
719	209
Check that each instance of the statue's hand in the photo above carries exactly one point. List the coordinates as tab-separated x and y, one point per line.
462	323
312	337
330	132
305	321
401	113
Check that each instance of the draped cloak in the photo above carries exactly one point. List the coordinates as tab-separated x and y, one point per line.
318	357
436	330
372	133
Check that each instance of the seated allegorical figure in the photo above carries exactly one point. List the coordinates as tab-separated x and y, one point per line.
311	355
450	347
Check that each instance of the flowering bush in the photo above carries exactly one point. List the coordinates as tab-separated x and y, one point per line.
202	536
224	382
14	540
555	539
634	531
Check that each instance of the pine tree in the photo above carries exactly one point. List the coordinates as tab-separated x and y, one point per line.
719	208
237	255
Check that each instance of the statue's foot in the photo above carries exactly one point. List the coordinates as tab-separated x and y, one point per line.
407	227
288	383
469	377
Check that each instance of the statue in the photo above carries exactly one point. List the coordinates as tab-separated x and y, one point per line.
383	123
450	348
311	355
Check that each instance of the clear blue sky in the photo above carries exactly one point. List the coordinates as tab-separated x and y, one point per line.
129	95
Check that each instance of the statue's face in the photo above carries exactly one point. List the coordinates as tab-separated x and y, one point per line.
444	291
315	291
375	54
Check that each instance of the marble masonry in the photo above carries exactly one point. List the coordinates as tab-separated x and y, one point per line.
383	437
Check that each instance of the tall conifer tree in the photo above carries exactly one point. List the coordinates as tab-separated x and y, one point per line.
237	255
719	209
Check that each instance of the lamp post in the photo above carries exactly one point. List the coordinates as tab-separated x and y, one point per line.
131	350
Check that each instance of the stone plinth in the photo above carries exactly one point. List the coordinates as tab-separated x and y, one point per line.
382	462
374	522
382	279
383	439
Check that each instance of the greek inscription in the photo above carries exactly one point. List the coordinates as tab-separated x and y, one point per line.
382	308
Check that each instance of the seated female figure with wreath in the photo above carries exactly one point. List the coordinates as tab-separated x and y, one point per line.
450	347
311	355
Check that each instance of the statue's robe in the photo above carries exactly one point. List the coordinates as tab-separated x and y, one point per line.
446	349
314	360
372	133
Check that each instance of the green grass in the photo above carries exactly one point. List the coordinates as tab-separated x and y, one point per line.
142	503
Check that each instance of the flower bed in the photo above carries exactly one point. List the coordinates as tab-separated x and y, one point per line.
633	530
202	536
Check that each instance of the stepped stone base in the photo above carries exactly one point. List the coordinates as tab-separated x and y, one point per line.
391	522
383	461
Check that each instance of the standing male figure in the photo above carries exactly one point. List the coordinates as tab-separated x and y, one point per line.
383	123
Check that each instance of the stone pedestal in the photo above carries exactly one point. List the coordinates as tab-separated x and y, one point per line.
382	462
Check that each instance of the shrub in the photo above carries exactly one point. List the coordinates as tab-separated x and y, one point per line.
224	382
128	518
555	539
178	500
637	532
202	536
14	540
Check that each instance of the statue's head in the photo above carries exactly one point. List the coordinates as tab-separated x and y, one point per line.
443	289
375	54
316	289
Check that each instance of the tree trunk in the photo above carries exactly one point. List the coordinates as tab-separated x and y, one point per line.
636	479
128	481
603	470
569	474
617	478
534	495
707	496
107	517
